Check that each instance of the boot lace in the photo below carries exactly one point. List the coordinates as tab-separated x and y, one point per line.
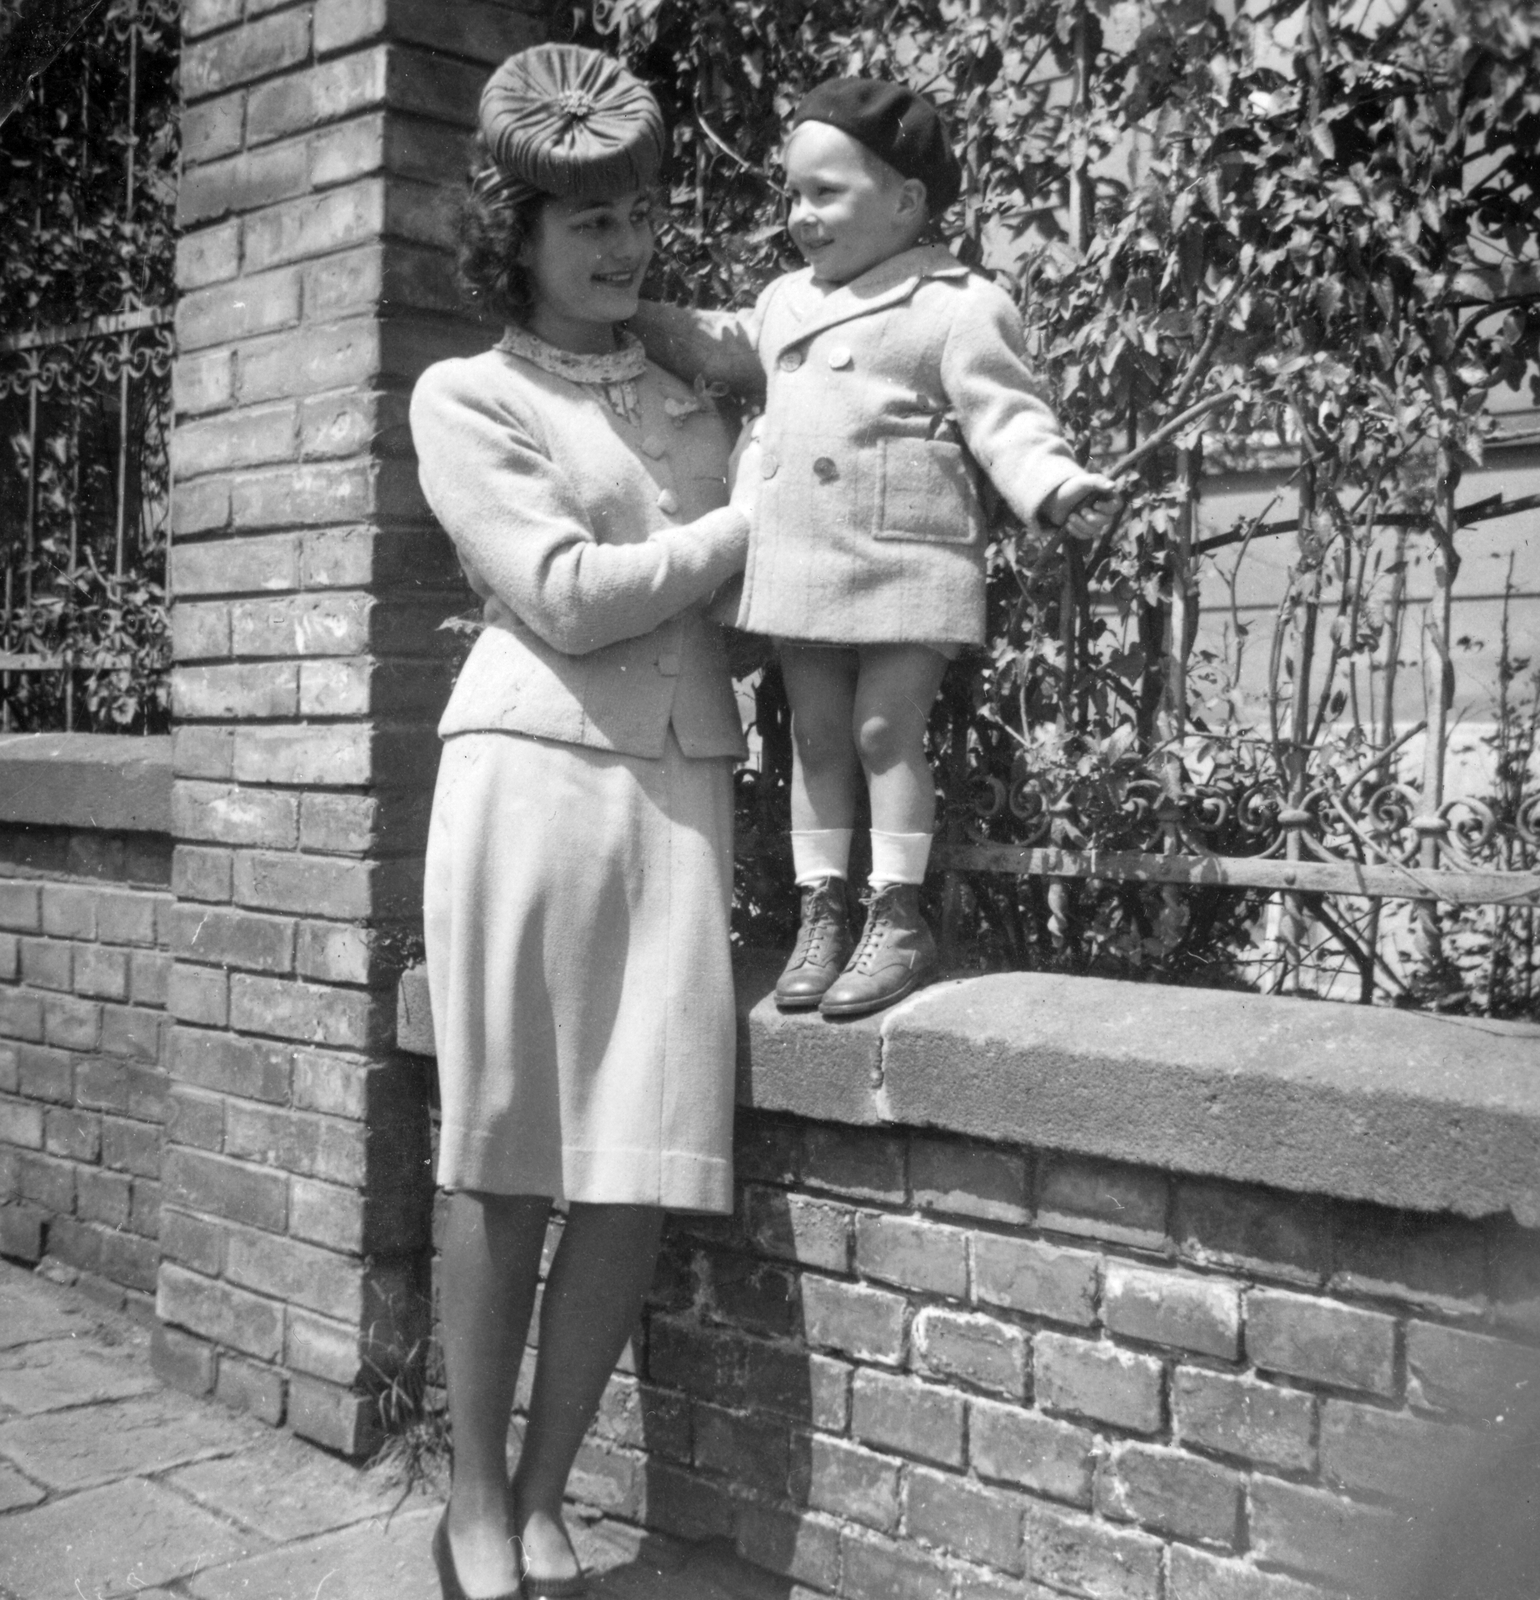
876	927
823	921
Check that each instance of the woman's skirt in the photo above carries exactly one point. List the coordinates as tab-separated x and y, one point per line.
576	912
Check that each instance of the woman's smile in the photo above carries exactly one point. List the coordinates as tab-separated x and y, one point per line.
586	262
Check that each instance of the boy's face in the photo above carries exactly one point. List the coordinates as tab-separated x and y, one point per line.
849	209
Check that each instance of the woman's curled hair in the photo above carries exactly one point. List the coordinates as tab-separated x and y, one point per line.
497	220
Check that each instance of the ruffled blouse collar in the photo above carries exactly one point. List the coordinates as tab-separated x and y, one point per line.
624	365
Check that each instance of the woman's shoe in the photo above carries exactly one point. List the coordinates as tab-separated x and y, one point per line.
555	1588
448	1578
538	1588
822	948
896	955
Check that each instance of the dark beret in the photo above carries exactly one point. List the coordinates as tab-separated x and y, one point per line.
895	123
569	121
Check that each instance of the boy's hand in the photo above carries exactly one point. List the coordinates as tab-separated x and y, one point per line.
1087	516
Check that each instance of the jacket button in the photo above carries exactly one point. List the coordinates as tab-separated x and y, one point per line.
768	466
840	356
668	664
789	360
825	470
668	501
653	446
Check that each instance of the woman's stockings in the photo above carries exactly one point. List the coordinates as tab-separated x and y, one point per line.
593	1297
491	1269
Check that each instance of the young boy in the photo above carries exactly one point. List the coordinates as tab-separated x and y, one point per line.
892	376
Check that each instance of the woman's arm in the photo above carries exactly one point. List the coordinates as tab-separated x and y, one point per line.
717	346
521	525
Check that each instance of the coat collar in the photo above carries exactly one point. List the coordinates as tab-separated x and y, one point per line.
888	283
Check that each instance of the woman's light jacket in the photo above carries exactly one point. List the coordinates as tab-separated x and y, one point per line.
594	541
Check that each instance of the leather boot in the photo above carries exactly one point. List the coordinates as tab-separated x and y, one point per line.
896	955
822	949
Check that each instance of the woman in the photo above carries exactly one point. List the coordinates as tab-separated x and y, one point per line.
579	858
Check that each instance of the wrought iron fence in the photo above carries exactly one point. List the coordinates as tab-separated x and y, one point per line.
1304	845
88	168
1366	876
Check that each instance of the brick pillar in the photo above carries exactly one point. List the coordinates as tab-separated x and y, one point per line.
324	147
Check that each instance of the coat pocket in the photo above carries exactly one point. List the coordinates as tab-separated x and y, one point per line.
925	491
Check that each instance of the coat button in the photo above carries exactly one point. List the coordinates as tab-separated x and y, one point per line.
653	446
789	360
668	664
768	466
840	356
668	501
825	470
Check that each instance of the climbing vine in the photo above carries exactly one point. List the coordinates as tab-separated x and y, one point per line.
1307	228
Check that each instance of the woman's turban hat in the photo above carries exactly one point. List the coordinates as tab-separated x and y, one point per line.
563	120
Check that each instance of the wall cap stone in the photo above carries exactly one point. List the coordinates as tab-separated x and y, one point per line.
109	782
1406	1109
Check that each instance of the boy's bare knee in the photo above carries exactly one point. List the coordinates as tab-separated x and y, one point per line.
881	741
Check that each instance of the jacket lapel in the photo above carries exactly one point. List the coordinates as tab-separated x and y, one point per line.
887	284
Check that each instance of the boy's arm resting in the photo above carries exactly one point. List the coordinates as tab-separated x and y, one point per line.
520	526
717	346
1007	425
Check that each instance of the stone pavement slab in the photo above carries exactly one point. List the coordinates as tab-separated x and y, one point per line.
16	1490
110	1542
96	1444
377	1560
391	1560
112	1488
26	1315
59	1373
287	1490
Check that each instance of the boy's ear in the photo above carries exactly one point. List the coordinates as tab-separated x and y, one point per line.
912	201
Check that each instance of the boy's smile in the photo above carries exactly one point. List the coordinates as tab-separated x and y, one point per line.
849	209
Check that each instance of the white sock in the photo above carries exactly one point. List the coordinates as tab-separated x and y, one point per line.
818	853
899	857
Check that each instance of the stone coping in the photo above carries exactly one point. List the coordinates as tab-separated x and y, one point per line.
108	782
1404	1109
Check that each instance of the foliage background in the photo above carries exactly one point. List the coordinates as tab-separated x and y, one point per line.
1326	211
78	248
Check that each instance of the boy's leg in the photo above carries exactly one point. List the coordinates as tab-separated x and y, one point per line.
895	689
820	688
825	771
896	686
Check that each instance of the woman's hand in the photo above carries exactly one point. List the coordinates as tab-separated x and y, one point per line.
744	476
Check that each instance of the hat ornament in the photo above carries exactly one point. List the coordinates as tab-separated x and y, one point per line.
576	104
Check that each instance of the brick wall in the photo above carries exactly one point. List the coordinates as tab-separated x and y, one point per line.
916	1366
324	145
83	969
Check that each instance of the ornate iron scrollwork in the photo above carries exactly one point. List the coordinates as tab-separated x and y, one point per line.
1160	808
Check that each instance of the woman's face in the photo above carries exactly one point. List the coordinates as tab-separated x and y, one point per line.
585	261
